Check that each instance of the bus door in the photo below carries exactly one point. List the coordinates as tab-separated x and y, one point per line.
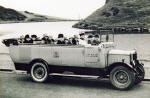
92	57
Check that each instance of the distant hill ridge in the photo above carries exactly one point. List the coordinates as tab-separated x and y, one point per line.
126	13
8	15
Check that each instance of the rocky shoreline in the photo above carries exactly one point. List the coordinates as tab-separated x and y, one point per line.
121	15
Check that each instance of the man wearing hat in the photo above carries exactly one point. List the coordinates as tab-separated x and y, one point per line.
60	39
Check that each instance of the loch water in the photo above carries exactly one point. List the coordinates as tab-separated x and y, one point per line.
140	42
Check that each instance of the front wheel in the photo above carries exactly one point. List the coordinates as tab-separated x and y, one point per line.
39	72
122	78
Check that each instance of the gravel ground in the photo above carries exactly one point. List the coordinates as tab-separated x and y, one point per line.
21	86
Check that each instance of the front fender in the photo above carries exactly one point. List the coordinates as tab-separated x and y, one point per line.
111	66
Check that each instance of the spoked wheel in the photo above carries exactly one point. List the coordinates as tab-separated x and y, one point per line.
122	78
39	72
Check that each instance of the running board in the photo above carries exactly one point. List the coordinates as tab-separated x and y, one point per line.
67	74
74	75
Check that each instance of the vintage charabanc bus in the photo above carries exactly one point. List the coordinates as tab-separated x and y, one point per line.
41	60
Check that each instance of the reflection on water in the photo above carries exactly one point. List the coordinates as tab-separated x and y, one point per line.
140	42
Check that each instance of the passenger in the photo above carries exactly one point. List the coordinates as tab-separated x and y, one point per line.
9	42
96	40
51	40
45	39
107	38
60	39
66	41
34	37
21	39
82	39
70	41
75	40
27	39
90	39
82	36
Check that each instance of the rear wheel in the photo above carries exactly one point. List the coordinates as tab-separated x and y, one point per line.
39	72
122	78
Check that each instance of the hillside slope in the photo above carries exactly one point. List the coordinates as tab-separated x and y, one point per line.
8	15
126	13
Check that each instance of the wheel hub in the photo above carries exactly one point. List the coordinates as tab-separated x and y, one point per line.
121	77
39	72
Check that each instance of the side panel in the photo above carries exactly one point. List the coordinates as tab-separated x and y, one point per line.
35	52
103	57
56	56
25	54
77	56
20	54
52	54
14	53
96	57
92	57
73	56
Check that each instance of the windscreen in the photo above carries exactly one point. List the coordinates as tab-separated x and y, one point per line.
107	37
102	36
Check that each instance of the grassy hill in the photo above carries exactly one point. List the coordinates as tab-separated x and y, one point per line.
119	13
8	15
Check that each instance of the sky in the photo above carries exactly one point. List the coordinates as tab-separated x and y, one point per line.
71	9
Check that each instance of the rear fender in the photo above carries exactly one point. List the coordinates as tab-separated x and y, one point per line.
37	60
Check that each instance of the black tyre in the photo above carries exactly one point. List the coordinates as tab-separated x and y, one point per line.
39	72
141	75
122	78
